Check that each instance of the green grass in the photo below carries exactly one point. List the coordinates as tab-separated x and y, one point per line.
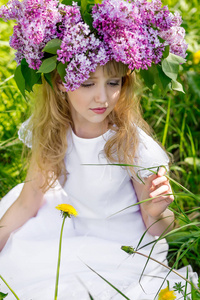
12	112
175	119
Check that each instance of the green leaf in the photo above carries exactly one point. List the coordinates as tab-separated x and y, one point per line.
86	9
87	17
177	86
69	2
61	70
164	76
19	79
170	65
155	75
48	78
161	40
2	295
52	46
176	58
166	52
86	5
148	77
170	69
31	76
162	80
48	65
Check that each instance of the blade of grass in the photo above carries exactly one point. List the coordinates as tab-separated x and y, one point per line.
192	148
108	282
166	122
9	288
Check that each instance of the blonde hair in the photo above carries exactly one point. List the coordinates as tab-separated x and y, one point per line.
51	120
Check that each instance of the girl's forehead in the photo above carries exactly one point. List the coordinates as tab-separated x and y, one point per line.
115	68
110	70
102	72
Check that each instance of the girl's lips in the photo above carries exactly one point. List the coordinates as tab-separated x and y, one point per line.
99	110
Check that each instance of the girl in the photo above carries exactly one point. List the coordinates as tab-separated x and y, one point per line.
81	125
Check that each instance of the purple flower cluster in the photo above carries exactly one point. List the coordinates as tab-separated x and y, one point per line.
132	31
36	25
175	36
79	49
128	31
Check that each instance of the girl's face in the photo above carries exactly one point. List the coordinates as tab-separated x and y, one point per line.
92	102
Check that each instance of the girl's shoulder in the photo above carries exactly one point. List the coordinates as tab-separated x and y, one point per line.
149	155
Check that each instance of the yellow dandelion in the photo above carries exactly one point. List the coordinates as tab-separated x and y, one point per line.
196	57
166	294
67	209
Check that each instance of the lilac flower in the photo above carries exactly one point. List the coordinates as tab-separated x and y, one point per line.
70	16
175	36
79	48
36	25
130	38
131	31
128	31
83	52
167	24
11	10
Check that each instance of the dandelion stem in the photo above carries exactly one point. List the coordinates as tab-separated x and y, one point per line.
9	287
59	257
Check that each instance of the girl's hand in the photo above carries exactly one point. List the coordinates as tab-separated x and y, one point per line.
157	187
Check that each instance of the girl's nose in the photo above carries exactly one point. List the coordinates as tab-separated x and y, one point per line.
101	95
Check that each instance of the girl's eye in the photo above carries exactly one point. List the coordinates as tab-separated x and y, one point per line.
114	83
87	84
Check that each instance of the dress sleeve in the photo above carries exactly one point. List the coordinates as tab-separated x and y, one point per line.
150	156
25	133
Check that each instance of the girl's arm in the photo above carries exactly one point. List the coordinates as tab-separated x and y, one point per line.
156	210
25	207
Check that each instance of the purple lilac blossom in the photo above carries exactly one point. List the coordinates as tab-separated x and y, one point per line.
82	64
36	25
128	31
168	25
83	52
70	16
79	48
175	36
129	38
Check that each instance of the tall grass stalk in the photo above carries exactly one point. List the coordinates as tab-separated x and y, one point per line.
166	123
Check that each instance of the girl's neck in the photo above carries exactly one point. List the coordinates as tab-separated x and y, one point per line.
89	132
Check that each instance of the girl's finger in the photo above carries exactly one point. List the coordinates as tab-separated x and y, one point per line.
160	180
161	171
168	199
159	191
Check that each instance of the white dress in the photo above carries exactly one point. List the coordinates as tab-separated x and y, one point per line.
93	238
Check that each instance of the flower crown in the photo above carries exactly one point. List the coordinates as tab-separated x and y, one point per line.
74	37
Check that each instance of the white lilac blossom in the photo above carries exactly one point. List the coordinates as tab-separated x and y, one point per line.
133	32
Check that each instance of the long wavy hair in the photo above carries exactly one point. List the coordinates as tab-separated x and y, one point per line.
51	119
